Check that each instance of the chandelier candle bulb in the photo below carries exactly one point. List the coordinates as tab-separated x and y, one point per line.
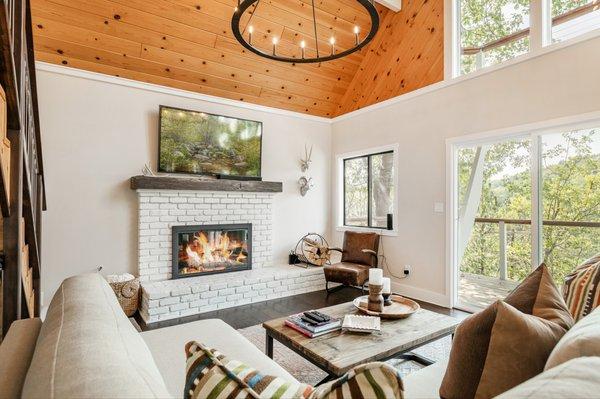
332	41
302	46
274	45
356	38
250	31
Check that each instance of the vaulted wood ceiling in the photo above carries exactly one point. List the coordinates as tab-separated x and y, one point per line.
188	44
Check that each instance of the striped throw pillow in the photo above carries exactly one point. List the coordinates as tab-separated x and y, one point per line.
372	380
209	374
581	291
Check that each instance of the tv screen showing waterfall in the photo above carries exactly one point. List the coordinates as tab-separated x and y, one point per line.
200	143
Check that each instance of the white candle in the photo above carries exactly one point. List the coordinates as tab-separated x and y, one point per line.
387	285
375	276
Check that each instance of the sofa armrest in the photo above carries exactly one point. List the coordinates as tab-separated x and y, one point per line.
16	352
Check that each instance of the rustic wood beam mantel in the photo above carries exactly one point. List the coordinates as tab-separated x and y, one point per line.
203	184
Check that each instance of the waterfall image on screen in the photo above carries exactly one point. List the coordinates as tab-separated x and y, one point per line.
200	143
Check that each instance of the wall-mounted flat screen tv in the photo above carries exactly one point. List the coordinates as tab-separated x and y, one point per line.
201	143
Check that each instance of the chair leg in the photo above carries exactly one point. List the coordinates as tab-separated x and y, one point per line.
334	289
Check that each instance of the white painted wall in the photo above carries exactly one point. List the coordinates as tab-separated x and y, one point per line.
96	135
557	84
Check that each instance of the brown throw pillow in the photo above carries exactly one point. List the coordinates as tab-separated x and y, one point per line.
519	347
537	295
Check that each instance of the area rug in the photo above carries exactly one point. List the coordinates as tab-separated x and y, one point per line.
306	372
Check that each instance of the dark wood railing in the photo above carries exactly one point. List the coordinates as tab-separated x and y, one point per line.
520	34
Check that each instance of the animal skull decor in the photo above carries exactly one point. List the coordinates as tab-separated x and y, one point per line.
305	163
305	184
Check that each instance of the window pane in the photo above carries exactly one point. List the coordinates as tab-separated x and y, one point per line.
356	193
571	18
571	199
492	32
494	216
382	188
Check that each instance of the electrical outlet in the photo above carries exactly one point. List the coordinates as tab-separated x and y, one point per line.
407	270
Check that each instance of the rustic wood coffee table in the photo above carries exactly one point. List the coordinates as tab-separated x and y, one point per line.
337	352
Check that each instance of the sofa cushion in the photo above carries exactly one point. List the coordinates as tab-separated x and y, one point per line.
582	288
519	347
575	379
536	295
583	339
16	352
370	380
166	345
425	383
209	374
87	348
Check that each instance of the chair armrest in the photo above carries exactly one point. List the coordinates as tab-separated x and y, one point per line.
370	251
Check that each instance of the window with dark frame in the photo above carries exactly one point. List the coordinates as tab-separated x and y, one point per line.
369	190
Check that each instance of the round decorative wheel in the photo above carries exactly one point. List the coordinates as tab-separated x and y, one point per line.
313	249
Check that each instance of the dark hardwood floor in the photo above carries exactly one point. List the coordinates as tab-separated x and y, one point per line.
257	313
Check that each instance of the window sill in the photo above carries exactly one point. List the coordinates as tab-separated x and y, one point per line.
383	232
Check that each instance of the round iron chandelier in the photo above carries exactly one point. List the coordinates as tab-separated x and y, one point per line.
299	52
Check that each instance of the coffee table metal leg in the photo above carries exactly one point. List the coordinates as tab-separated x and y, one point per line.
269	345
415	358
329	377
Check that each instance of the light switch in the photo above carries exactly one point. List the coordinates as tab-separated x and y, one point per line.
438	207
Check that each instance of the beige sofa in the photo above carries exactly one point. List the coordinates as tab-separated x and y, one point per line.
87	348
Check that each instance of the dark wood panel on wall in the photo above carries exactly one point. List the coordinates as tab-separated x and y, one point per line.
406	54
22	169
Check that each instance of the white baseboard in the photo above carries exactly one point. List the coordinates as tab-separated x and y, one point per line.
422	295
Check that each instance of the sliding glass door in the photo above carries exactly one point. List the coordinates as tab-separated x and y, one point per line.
570	172
521	201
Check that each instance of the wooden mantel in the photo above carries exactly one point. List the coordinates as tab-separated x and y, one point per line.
203	184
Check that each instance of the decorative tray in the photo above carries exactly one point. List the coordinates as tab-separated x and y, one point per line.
399	309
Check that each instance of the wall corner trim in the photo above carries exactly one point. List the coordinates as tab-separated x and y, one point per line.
80	73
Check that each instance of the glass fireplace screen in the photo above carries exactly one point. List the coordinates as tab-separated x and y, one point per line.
209	249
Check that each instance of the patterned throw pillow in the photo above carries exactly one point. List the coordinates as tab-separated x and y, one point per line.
372	380
580	290
209	374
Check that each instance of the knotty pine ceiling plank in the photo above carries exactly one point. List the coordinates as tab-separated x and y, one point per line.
411	56
232	57
188	44
406	38
124	61
160	80
151	67
49	28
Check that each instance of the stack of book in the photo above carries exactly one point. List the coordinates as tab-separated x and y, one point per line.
313	323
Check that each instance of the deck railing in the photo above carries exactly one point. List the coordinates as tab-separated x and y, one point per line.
502	262
523	33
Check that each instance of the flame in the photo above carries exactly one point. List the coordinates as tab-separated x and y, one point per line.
212	249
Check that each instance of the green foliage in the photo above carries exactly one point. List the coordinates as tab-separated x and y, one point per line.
194	142
483	22
570	192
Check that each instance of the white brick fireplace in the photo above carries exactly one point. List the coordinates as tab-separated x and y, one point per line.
193	204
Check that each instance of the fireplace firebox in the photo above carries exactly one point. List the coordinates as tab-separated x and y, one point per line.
210	249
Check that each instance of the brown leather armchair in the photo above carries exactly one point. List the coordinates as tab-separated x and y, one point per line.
359	254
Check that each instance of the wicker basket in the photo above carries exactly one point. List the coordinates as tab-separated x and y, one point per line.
128	295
